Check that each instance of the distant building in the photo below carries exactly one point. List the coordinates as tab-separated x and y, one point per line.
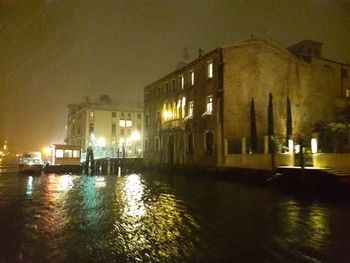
200	113
112	128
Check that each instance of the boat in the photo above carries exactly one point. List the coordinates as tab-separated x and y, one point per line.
30	162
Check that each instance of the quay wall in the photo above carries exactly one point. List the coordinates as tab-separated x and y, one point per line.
338	161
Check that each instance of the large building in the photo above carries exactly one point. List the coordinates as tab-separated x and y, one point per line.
201	113
114	128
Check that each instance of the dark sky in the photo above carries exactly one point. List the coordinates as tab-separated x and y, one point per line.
57	52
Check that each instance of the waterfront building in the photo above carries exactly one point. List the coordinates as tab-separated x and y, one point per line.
214	110
113	130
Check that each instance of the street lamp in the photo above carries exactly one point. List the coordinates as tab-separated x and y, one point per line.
135	137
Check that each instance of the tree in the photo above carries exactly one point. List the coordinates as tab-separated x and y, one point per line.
289	127
270	124
253	133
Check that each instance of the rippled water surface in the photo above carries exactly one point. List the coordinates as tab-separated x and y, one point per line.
164	218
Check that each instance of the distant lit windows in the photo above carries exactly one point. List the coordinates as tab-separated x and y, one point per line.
76	153
209	104
190	109
91	128
122	123
210	70
191	77
68	153
113	141
114	114
113	128
59	153
92	114
128	123
183	107
182	82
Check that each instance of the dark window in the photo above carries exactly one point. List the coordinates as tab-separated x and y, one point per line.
157	144
146	97
114	114
91	128
166	88
159	91
129	115
209	143
113	128
146	120
173	85
146	145
344	73
122	132
190	143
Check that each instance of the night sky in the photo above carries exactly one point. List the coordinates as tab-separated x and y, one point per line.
57	52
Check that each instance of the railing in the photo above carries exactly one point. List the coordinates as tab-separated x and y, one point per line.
113	151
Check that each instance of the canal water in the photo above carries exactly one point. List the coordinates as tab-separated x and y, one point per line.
164	218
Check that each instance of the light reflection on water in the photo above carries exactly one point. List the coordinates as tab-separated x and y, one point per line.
162	218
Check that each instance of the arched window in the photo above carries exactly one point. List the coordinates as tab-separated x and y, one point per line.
183	107
190	143
209	143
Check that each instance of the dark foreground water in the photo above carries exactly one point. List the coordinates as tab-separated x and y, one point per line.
164	218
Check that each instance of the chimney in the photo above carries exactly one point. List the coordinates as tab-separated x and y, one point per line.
200	53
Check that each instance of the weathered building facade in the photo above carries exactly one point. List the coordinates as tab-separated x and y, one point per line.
105	124
200	113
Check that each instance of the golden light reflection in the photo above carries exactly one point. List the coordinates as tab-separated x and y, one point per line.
29	185
65	183
318	226
151	221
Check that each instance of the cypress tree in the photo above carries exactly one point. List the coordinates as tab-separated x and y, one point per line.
289	128
253	133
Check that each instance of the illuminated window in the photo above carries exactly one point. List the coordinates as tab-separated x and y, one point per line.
190	109
114	114
113	128
76	153
182	82
128	123
91	114
210	70
191	77
183	107
113	141
178	109
122	123
210	104
68	153
59	153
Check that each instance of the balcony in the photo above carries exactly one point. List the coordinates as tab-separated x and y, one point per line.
171	124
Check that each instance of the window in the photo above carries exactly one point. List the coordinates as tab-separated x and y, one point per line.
209	104
128	123
182	82
146	97
91	128
129	115
210	70
156	144
173	85
344	73
190	143
76	153
159	91
91	114
146	119
183	107
209	143
68	153
191	77
114	114
122	123
113	128
146	145
121	131
190	109
122	114
139	116
113	141
59	153
166	87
